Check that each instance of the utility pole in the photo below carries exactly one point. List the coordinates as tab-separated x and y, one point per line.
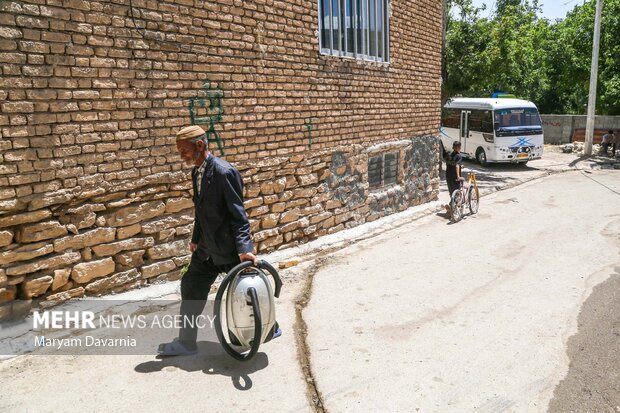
593	80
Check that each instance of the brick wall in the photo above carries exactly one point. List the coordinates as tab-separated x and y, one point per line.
93	197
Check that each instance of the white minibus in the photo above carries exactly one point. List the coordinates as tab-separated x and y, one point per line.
493	129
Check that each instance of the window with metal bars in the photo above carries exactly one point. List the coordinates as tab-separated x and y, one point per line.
355	28
383	170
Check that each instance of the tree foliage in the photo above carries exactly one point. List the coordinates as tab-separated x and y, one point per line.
514	49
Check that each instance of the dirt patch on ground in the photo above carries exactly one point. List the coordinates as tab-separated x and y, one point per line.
593	380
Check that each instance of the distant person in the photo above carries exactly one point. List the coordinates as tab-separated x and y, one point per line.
614	143
608	140
454	163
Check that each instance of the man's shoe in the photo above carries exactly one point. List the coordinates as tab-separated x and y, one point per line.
175	348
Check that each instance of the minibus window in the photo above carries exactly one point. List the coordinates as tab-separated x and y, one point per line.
517	121
450	118
481	121
510	118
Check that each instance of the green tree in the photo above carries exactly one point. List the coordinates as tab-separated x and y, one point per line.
518	51
572	54
465	64
503	52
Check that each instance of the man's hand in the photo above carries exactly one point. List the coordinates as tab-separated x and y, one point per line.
193	247
248	256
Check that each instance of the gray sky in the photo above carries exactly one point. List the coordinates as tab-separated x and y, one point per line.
552	9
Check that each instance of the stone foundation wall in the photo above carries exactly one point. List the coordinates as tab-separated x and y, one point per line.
295	199
94	198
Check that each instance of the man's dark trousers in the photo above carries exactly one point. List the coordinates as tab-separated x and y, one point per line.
195	286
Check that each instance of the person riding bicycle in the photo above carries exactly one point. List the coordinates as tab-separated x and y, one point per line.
454	164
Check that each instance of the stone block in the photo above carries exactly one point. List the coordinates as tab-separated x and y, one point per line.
185	229
289	216
113	282
174	205
86	271
134	214
167	250
35	286
130	231
26	252
263	235
289	227
270	243
83	220
8	293
320	218
24	218
86	239
59	297
125	245
269	221
308	179
310	230
167	222
258	211
61	277
328	223
44	264
332	204
291	182
157	268
279	185
291	262
278	207
182	261
130	259
6	238
304	193
251	203
170	276
266	188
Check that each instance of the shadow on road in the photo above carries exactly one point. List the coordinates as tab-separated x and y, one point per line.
211	359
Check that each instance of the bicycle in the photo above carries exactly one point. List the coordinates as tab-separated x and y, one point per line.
467	192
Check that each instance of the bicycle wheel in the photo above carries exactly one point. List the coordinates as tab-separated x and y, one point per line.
456	206
473	200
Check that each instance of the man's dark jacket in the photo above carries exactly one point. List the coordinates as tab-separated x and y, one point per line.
221	228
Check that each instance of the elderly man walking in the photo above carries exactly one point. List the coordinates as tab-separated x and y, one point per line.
221	237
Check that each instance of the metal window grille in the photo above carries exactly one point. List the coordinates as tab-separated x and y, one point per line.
355	28
383	170
375	169
390	168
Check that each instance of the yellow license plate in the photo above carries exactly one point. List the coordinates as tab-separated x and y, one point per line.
522	155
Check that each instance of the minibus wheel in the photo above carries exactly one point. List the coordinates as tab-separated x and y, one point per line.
481	157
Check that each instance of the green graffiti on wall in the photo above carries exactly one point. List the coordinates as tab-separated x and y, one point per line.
310	126
212	112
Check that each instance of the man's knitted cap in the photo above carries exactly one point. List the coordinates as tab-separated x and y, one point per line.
190	132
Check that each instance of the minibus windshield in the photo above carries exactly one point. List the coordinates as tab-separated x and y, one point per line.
517	120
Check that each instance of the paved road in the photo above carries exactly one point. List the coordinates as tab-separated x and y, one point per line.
434	317
426	317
